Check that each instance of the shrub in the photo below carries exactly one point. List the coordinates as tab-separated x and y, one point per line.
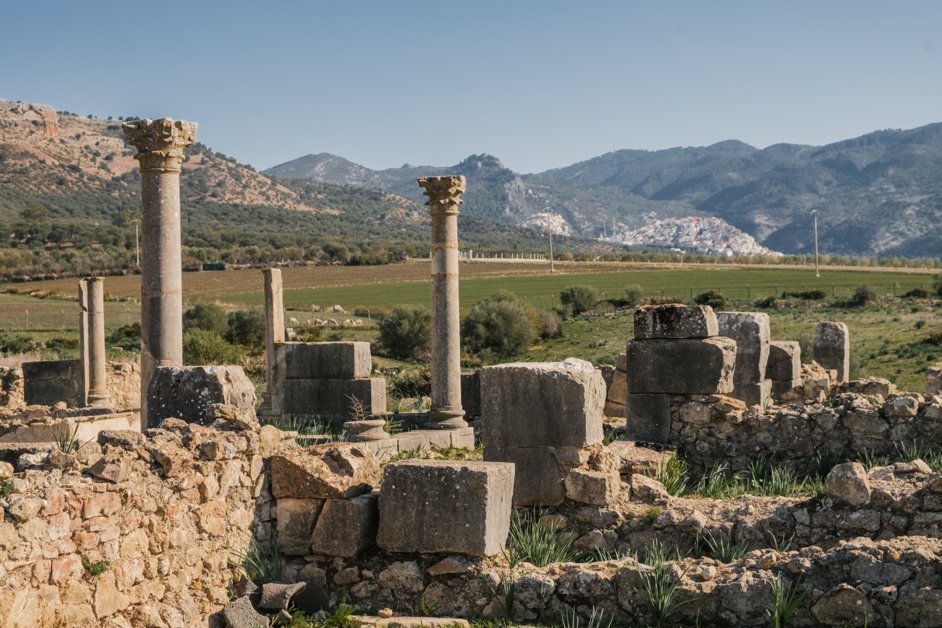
808	295
713	298
579	299
201	346
208	316
17	344
917	293
127	337
410	382
862	296
499	324
246	327
634	294
551	325
406	332
937	286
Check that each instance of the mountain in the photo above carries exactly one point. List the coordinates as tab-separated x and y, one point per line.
878	194
70	194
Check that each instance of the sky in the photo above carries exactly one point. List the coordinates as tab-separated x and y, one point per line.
538	83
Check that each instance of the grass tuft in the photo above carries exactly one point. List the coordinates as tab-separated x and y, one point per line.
786	598
536	544
258	566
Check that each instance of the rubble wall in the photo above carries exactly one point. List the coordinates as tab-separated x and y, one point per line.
132	531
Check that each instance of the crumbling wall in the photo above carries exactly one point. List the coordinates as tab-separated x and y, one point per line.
133	530
124	385
11	388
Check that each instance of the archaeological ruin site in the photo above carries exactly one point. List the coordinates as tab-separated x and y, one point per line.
659	491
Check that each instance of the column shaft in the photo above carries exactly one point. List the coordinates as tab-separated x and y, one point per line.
97	359
274	333
83	335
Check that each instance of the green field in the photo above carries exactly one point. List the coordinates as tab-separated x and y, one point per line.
889	336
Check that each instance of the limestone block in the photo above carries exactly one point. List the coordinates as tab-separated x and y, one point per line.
346	527
785	387
753	394
295	523
904	406
649	418
752	334
675	321
439	506
542	404
538	475
334	396
784	361
189	393
327	360
831	347
934	380
48	382
471	393
847	483
681	366
331	471
598	488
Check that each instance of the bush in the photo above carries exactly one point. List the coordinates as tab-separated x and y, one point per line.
713	298
246	327
579	299
551	325
499	324
634	294
406	332
208	316
937	286
17	344
862	296
807	295
410	382
126	337
201	346
917	293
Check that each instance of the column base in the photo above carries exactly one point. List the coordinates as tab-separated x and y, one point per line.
98	400
446	419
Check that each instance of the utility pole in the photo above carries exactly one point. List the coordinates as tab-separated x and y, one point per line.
814	216
552	260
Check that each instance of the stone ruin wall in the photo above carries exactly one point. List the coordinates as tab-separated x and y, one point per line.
124	386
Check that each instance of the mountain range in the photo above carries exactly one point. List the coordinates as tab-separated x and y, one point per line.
878	194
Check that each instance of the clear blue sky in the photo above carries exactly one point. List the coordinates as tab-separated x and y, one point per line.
540	83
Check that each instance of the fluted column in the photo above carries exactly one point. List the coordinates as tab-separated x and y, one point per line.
444	196
97	368
160	145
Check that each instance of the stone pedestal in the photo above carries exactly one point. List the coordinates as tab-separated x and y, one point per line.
752	333
444	196
831	347
160	144
97	365
274	333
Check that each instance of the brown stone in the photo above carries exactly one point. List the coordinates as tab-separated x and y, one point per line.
346	527
332	471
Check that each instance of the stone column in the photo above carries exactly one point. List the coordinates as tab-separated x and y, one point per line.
83	336
444	196
97	367
831	348
160	145
274	333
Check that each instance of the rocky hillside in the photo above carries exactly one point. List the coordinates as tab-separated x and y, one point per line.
879	194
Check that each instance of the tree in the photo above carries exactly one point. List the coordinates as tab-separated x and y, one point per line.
579	299
246	327
202	346
208	316
500	324
406	332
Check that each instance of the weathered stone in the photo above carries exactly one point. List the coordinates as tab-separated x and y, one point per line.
6	471
52	381
97	366
675	321
346	527
335	396
848	483
295	524
274	336
471	393
190	393
331	471
870	386
327	360
934	380
599	488
905	406
409	622
646	489
784	361
753	394
125	439
241	614
752	334
831	345
538	475
648	418
681	366
242	417
435	506
842	606
111	468
277	596
556	404
312	598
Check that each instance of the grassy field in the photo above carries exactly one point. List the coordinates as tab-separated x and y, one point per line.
888	336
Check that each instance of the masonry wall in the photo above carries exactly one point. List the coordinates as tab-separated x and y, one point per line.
132	532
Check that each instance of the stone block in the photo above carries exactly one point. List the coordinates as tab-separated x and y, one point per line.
542	404
675	321
189	393
752	334
538	475
831	348
753	394
49	382
784	387
331	471
346	527
334	397
295	520
784	361
598	488
327	360
439	506
934	380
648	418
471	393
681	366
847	483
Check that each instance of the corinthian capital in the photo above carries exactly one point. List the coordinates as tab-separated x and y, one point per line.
444	193
160	143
